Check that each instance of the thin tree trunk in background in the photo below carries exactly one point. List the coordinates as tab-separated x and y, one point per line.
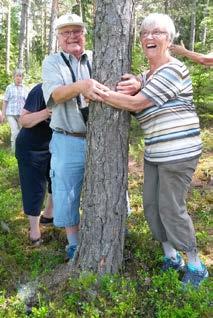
203	38
193	25
8	38
54	11
104	196
45	30
22	35
166	6
27	60
80	8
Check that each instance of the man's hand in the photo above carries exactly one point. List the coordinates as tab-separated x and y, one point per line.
48	112
178	49
129	84
3	117
91	89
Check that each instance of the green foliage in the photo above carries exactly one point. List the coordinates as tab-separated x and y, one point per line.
171	300
139	290
34	75
139	63
4	78
5	134
202	90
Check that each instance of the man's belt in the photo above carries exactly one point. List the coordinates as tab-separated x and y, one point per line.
74	134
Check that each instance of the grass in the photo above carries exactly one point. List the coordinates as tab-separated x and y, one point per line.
139	290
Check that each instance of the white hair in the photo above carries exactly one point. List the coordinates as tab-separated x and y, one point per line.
159	20
18	71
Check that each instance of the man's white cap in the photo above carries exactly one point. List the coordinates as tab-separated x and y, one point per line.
69	19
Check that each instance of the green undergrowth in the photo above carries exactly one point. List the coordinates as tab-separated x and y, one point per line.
139	290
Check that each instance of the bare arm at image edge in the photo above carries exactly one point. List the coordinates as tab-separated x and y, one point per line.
205	59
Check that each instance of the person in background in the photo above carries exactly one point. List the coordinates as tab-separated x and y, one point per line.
14	100
33	156
164	107
205	59
66	84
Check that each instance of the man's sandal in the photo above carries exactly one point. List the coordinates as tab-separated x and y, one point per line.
45	221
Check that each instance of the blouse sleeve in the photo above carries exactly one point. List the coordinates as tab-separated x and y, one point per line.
164	85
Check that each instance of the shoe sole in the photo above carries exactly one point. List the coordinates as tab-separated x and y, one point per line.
36	243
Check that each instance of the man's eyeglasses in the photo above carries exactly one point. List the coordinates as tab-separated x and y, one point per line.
76	33
154	34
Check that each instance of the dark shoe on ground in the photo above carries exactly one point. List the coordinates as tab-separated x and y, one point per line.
194	276
176	264
46	221
36	243
70	250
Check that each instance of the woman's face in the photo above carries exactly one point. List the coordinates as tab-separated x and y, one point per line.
18	79
155	42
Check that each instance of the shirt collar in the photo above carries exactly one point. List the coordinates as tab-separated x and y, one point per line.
84	56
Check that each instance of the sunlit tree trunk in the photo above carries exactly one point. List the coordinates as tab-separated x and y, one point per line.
166	6
193	25
45	43
203	39
22	35
80	8
54	11
104	199
8	38
27	62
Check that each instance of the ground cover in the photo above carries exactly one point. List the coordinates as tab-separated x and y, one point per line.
139	290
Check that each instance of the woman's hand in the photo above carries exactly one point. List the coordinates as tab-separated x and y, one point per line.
129	84
93	90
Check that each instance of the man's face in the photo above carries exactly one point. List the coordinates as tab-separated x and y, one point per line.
72	40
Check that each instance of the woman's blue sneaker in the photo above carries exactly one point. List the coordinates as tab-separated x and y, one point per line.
176	264
194	276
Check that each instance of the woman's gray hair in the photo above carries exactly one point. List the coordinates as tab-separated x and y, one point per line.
18	71
159	20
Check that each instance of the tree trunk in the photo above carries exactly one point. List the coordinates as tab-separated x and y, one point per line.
203	38
104	195
27	61
22	36
8	38
193	25
166	6
51	46
45	18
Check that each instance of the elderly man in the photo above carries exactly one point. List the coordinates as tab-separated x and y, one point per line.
66	85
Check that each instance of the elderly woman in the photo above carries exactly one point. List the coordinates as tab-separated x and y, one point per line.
14	100
165	110
32	153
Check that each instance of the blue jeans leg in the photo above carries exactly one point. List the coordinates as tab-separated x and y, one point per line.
67	172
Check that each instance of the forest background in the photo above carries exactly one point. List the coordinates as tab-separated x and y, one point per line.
139	290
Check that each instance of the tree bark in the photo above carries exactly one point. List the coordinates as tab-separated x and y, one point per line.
193	26
22	36
54	10
27	60
8	38
205	14
104	195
